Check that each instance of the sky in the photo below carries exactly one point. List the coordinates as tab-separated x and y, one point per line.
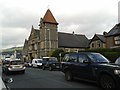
86	17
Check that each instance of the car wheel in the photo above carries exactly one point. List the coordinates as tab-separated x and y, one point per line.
68	76
23	71
43	68
50	68
33	66
107	82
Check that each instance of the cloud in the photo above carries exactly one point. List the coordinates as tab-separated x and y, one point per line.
88	23
15	26
13	17
82	17
13	36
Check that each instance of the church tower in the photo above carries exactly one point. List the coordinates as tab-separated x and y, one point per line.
48	33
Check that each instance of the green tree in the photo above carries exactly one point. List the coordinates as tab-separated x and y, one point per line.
59	53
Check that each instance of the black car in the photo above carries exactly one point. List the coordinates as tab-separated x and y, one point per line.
93	67
117	61
51	63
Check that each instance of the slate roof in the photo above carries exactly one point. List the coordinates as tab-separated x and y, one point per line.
114	31
37	32
72	40
101	37
49	18
98	37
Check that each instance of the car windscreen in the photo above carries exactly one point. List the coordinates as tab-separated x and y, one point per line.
39	61
117	61
96	57
53	59
16	62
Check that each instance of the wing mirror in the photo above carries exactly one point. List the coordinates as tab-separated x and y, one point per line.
86	61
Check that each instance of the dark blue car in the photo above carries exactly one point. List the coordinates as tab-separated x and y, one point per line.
51	63
93	67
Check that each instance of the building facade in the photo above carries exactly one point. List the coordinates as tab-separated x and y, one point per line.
47	38
113	37
98	41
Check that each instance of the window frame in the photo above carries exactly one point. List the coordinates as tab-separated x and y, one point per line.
117	40
73	58
83	60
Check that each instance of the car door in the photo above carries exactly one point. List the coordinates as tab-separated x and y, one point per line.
73	59
83	67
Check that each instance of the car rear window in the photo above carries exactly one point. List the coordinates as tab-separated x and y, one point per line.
53	59
16	62
39	61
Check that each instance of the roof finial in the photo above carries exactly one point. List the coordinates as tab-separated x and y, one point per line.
73	32
32	27
48	7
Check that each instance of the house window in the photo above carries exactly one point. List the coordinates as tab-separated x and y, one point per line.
92	44
73	58
82	58
98	43
117	40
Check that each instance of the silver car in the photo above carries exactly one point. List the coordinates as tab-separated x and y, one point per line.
13	65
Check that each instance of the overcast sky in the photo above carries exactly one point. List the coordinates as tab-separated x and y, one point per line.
81	16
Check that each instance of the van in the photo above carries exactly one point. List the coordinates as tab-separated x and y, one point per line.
37	63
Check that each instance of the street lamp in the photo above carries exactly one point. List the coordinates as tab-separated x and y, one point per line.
60	56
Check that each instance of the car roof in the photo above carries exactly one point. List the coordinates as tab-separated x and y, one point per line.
49	57
12	60
84	53
38	59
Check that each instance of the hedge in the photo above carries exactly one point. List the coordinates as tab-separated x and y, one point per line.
111	54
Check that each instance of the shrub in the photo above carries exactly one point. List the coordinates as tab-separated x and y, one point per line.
56	53
111	54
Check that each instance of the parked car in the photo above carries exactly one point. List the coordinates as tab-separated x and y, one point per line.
13	65
37	63
28	64
117	61
93	67
51	63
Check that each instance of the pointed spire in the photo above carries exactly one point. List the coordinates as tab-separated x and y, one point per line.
49	18
32	27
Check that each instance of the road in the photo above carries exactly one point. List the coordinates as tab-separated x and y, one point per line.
38	78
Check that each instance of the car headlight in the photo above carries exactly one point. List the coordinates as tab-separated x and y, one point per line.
116	72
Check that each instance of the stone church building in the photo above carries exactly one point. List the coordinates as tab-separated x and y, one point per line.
47	38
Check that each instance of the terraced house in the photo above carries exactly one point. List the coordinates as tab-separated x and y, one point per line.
109	39
98	41
47	38
113	37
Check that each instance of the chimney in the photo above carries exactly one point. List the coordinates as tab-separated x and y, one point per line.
104	33
73	32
